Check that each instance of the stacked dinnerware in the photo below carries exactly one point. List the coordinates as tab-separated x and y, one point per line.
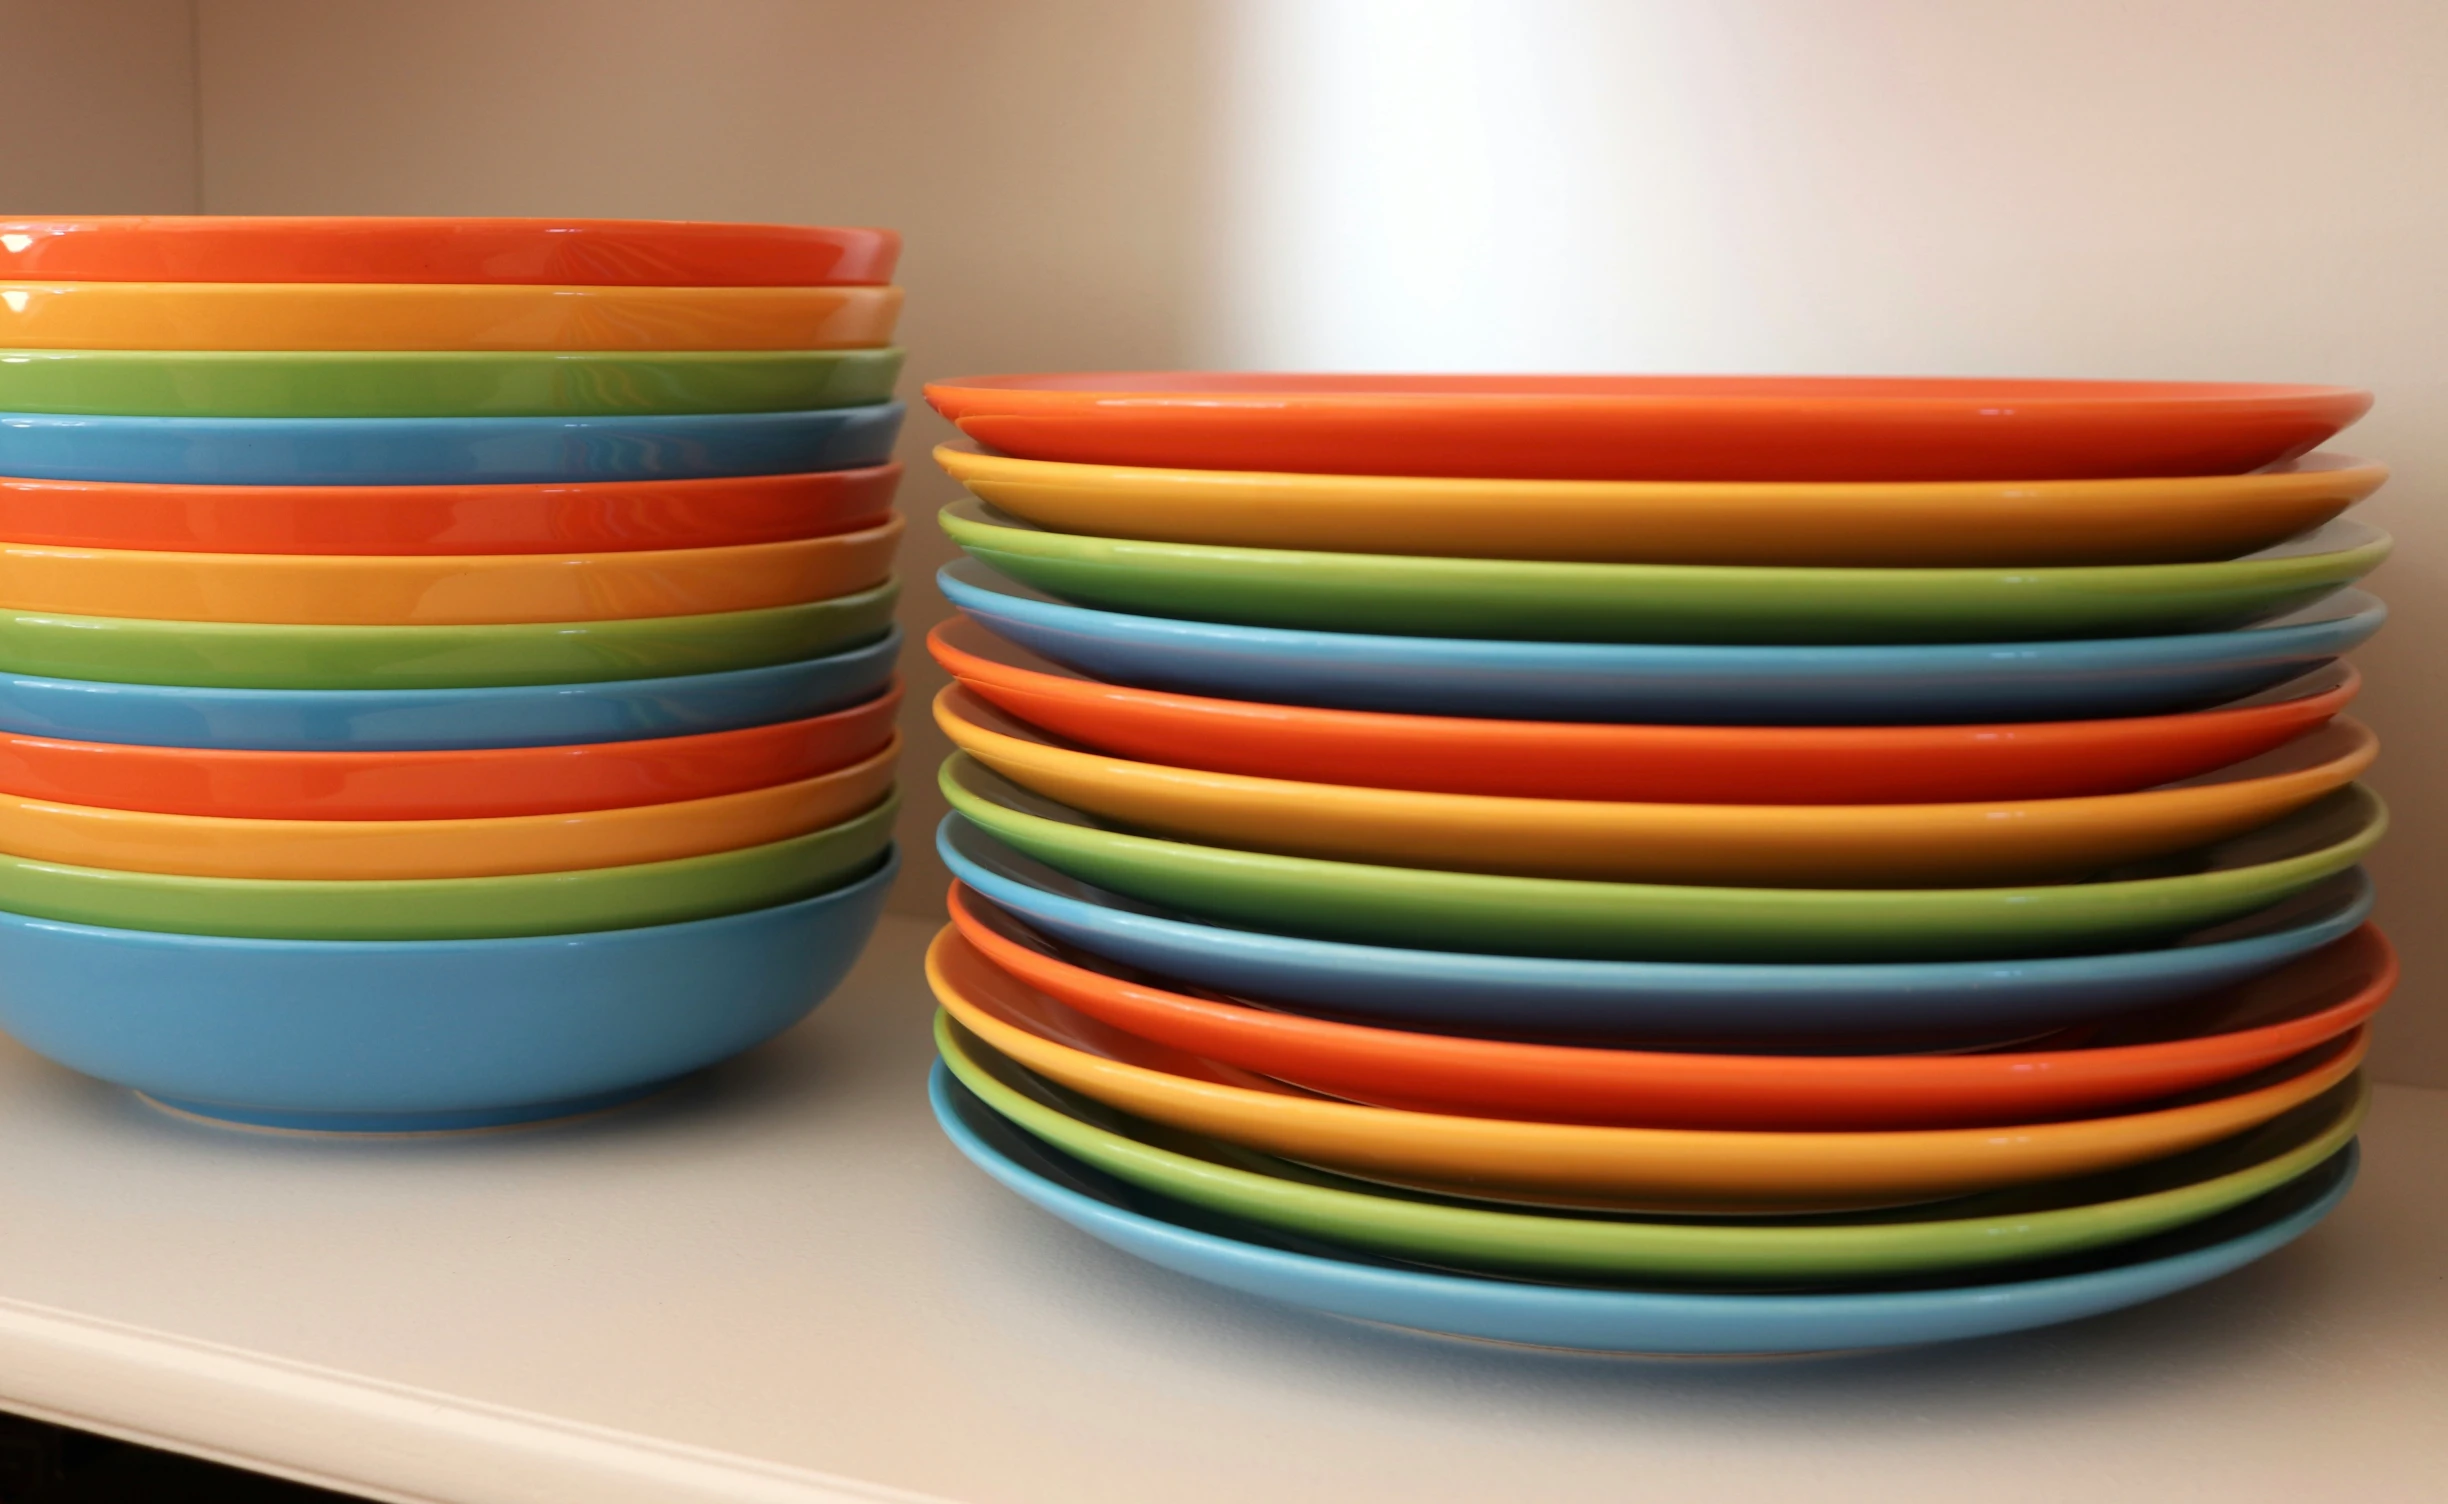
1660	864
446	666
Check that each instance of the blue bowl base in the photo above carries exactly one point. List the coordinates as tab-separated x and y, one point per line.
1623	1354
464	1120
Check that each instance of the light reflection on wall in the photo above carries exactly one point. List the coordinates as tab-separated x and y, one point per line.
1422	184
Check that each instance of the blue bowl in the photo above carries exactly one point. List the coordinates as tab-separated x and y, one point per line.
1867	1005
418	1036
443	451
426	720
1908	684
1315	1276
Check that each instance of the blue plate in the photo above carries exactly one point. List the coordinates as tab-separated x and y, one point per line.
1910	684
407	1036
1533	997
426	720
443	451
1277	1266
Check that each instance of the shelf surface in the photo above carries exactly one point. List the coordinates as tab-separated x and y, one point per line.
778	1283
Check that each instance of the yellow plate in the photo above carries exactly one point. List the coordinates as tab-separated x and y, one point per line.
1561	1163
441	589
1962	524
322	850
1831	845
438	316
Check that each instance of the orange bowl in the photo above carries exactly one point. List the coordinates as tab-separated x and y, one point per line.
573	517
464	784
76	835
362	590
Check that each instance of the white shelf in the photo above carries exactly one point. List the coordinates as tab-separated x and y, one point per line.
780	1284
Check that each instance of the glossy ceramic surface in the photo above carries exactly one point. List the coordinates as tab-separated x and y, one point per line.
1505	1159
2170	519
1908	684
373	248
439	316
250	655
2115	1065
1838	845
1734	1005
477	783
1974	1232
504	846
1677	764
449	1034
443	451
443	590
1425	908
565	518
425	720
1747	428
438	383
1321	1277
1412	595
580	901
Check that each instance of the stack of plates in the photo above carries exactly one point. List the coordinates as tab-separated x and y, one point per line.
1669	864
446	666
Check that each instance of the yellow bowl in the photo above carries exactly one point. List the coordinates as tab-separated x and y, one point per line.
1830	845
1567	1164
438	316
441	589
1957	523
327	850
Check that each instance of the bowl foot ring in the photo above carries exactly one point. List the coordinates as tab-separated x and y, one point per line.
391	1124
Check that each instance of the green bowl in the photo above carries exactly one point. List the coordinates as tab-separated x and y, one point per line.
438	383
248	655
2007	1227
1411	596
456	908
2127	909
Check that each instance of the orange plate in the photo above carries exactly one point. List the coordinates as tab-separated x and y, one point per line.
2243	1029
1582	1163
1801	428
563	518
484	783
1673	764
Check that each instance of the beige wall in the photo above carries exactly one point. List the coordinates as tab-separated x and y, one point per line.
2147	187
101	103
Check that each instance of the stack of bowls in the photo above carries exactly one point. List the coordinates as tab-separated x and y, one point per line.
446	666
1660	864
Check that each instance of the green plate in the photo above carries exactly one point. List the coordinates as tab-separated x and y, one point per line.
1406	595
2006	1227
1416	907
455	908
438	383
247	655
